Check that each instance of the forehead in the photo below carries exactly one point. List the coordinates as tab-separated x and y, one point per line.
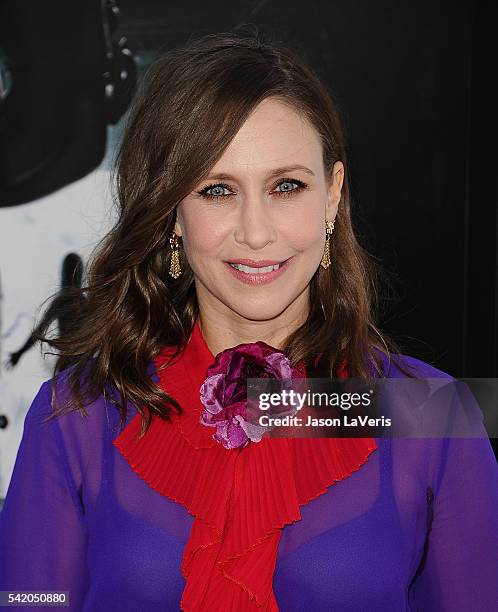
273	135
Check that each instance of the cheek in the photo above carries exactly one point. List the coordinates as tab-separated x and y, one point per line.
203	235
305	232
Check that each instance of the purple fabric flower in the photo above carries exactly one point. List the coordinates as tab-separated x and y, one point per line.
224	392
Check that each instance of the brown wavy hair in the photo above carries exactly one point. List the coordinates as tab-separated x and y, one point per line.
192	103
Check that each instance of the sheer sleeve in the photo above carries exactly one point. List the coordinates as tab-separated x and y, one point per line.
42	538
459	568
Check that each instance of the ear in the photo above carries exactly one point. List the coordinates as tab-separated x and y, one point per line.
177	228
334	192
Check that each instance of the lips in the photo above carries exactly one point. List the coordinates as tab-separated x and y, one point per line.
259	278
261	263
256	270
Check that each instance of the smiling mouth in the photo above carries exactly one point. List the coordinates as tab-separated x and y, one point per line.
258	276
257	270
250	270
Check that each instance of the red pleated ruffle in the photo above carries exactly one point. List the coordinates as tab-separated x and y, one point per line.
240	498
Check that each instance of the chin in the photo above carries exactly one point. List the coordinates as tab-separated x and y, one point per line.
263	312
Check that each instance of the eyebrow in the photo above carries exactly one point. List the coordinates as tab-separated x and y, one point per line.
285	169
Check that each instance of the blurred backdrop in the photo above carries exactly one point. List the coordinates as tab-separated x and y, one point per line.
413	84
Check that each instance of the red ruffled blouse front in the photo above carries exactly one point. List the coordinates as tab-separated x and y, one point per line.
241	498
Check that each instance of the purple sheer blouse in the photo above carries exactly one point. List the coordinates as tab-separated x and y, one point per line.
414	529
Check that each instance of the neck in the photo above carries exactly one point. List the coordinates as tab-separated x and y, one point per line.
222	335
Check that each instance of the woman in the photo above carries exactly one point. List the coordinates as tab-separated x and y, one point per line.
162	497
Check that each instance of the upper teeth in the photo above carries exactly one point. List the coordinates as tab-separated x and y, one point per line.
250	270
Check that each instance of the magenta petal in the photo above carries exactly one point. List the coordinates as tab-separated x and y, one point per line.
220	434
224	392
236	435
230	434
211	392
206	419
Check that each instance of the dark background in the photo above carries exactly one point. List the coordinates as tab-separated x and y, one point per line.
413	82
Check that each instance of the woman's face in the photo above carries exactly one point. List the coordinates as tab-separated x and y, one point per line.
267	198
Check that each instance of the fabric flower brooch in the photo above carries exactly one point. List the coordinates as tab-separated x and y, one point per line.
224	392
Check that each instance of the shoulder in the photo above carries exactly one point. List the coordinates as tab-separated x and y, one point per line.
53	395
448	403
395	363
98	405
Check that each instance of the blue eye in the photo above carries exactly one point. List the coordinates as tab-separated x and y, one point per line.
288	193
215	186
286	182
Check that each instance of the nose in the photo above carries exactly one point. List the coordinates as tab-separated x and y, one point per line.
255	226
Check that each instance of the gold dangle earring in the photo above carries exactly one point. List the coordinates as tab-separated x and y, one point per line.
174	268
325	263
